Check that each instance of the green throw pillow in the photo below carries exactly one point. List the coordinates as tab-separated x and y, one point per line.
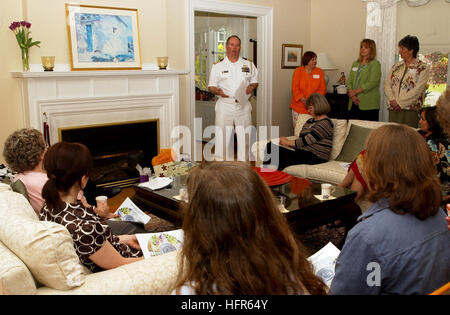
20	188
355	143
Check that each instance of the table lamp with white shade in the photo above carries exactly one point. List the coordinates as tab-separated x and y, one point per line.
324	63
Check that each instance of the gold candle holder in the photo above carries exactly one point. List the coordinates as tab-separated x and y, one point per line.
162	62
48	62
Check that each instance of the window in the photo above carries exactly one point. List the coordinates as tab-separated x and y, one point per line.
438	77
201	59
219	44
209	49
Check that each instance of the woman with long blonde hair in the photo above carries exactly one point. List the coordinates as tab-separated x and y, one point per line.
363	84
236	239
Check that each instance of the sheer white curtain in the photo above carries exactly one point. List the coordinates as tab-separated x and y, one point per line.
381	26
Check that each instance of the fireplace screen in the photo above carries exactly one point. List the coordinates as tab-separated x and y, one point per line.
116	149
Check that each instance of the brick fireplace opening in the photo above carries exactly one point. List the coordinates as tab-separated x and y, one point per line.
116	149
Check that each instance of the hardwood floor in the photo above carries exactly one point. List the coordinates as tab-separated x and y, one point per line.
117	200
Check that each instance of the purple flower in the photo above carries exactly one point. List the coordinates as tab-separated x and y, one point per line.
23	23
28	25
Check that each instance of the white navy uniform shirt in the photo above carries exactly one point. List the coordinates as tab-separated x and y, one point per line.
228	76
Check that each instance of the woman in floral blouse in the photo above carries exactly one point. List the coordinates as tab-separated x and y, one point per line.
406	83
439	144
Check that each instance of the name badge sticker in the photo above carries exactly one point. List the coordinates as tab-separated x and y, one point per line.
355	69
412	71
316	76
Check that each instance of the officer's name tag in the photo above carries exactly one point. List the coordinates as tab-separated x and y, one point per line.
316	76
226	71
355	69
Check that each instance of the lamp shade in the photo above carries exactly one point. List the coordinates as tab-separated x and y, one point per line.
324	63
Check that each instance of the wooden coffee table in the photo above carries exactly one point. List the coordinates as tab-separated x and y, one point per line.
161	202
305	211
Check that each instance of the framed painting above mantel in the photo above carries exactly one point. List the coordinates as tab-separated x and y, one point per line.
103	38
291	56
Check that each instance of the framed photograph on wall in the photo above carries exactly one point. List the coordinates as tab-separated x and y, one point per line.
103	38
291	56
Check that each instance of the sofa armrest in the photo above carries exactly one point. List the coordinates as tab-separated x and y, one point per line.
155	275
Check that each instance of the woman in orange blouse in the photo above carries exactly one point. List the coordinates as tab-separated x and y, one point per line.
306	80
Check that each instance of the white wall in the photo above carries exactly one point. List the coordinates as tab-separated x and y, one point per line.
337	28
430	23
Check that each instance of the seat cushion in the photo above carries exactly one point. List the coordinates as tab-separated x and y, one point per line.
15	278
155	275
46	248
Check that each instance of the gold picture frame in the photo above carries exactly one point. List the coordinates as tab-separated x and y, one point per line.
103	38
291	56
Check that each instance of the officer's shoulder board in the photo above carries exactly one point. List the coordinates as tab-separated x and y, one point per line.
220	60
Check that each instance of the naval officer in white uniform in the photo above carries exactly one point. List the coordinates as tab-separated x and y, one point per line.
225	78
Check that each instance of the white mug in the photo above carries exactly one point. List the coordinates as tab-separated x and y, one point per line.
184	193
101	199
327	189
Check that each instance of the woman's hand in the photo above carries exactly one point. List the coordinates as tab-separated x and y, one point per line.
130	240
102	210
111	216
355	100
395	105
351	93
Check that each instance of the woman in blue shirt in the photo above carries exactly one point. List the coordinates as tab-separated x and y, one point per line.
400	244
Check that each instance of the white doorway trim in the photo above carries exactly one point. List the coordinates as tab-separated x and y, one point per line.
264	17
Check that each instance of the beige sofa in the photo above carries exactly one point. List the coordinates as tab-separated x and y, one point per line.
333	171
39	258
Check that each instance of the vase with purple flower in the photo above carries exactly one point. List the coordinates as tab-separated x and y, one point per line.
22	32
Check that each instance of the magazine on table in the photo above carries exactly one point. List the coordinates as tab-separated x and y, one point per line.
324	262
129	212
155	244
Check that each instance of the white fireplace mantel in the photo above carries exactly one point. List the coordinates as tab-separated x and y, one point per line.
85	98
103	73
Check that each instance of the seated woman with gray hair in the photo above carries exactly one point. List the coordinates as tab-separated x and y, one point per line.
314	143
24	152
